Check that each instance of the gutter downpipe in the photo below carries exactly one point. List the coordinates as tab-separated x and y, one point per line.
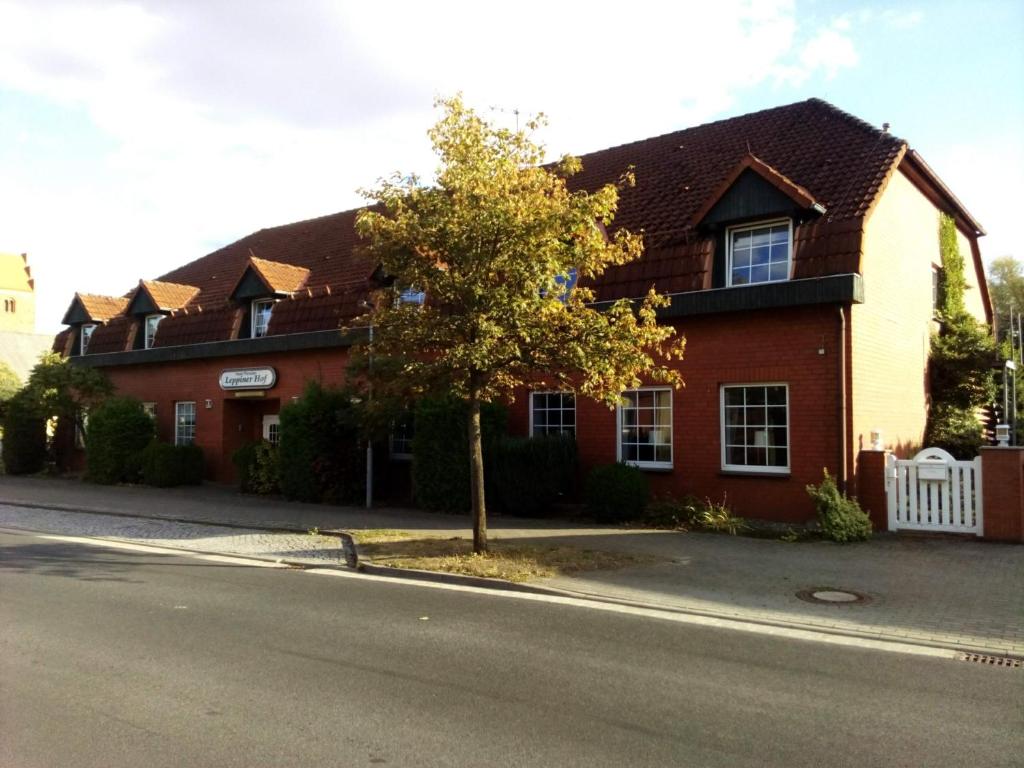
842	476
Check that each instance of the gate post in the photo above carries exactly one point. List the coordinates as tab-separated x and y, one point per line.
1002	486
871	484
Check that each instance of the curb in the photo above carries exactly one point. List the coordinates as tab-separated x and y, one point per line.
350	553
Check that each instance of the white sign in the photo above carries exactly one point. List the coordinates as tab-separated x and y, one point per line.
248	378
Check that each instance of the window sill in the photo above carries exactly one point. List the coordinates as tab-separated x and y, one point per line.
755	473
662	468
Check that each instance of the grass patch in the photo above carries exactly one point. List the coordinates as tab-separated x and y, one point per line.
506	560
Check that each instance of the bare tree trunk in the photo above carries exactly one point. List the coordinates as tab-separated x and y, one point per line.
476	474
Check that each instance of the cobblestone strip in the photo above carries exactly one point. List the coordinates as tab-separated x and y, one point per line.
297	547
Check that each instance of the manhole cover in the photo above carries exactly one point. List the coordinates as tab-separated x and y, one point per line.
832	596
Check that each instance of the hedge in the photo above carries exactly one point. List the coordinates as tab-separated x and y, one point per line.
440	449
616	493
258	467
24	444
320	454
165	465
533	473
117	433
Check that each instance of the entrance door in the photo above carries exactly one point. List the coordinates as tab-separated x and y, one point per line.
272	428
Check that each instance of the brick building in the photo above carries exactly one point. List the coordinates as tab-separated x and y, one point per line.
799	246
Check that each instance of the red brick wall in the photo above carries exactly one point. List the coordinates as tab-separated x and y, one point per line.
1002	478
231	421
767	346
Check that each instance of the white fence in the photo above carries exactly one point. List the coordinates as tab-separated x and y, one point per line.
934	492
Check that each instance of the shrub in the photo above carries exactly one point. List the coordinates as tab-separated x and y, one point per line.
165	465
117	433
616	493
841	518
320	455
244	460
532	473
716	516
954	429
24	445
440	449
691	512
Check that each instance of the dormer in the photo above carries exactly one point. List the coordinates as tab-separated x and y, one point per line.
751	215
261	285
86	312
151	302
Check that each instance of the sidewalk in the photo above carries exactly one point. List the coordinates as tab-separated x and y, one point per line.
954	593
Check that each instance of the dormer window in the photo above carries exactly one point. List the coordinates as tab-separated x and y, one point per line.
152	321
412	295
84	335
759	253
261	309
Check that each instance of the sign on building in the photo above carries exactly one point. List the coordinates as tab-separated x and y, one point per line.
248	378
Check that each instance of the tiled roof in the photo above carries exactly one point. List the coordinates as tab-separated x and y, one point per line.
320	312
100	308
62	341
194	327
811	149
168	296
325	246
281	278
115	335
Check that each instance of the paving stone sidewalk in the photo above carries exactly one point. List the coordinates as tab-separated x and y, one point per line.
957	593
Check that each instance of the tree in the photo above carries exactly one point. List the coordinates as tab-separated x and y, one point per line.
1006	285
497	244
960	360
63	390
9	382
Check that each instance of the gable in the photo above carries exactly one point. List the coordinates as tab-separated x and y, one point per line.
142	304
749	198
76	313
251	286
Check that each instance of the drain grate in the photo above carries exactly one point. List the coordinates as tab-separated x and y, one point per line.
992	661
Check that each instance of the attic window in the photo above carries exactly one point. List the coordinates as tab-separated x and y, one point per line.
759	253
152	321
261	309
412	295
86	334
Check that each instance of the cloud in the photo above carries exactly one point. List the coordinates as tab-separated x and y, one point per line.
187	125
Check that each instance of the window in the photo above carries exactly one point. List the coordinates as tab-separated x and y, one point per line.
402	432
86	334
412	296
184	423
8	305
261	317
755	428
552	413
272	428
645	428
759	253
152	321
150	409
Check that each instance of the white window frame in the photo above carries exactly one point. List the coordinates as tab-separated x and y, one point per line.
731	231
84	334
399	455
553	392
756	469
180	439
149	340
671	431
271	420
253	315
411	295
150	409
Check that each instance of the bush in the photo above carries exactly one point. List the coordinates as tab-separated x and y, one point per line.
24	445
616	493
440	449
320	455
691	512
258	466
841	518
117	433
954	429
165	465
532	473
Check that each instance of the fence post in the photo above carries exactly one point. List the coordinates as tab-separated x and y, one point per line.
871	485
1002	488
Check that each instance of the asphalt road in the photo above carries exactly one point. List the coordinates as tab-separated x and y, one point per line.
112	658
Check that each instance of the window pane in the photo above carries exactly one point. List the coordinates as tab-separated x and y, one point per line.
741	240
741	258
735	455
775	395
663	453
780	234
759	237
740	277
779	270
734	396
777	436
778	457
760	274
777	416
755	395
734	435
759	256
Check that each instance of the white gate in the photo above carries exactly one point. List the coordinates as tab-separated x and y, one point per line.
934	492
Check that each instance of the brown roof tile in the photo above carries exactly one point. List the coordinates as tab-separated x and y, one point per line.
281	278
115	335
168	296
197	326
100	308
322	312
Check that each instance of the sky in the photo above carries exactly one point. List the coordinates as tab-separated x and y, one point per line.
138	136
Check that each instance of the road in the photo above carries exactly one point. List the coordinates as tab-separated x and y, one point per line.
129	658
